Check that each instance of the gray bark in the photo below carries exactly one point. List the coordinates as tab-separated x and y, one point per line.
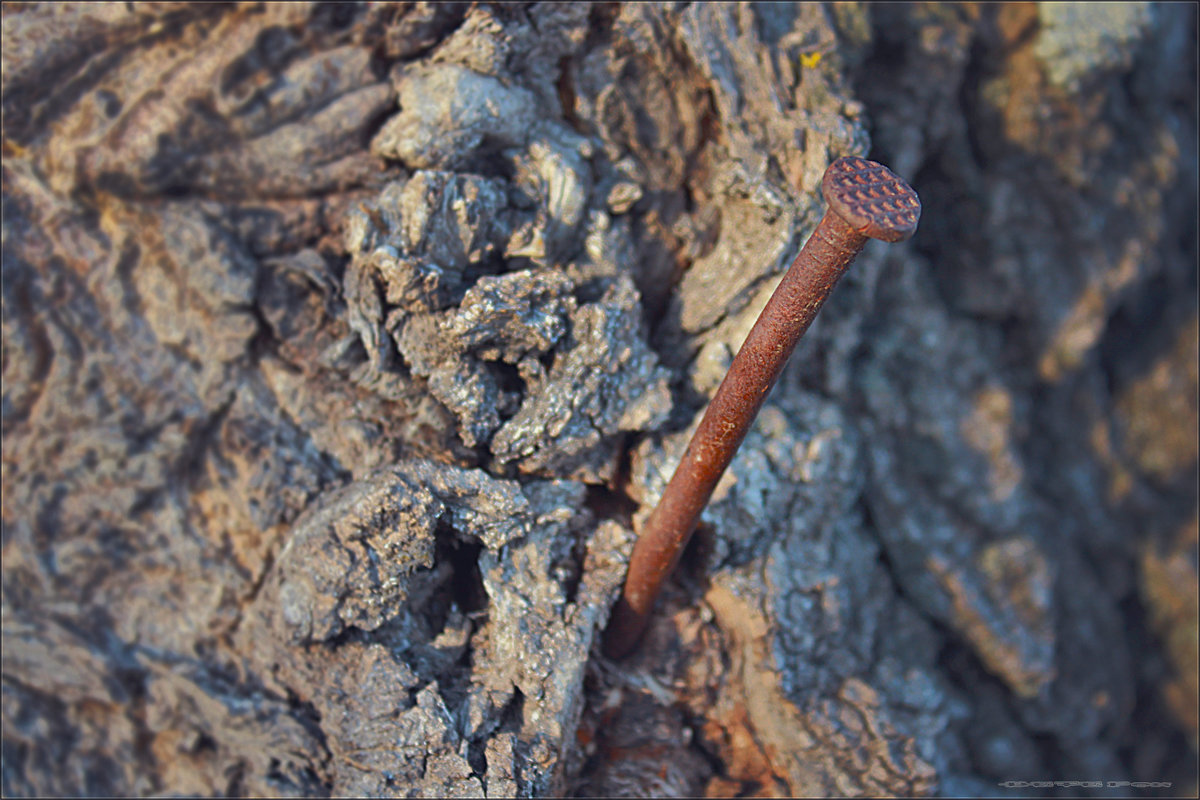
345	346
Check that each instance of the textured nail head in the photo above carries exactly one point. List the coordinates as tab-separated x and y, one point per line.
872	199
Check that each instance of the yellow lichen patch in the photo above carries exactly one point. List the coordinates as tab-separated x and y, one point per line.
183	761
1169	587
1159	411
812	452
1018	92
1005	624
810	60
12	149
1120	479
1075	336
988	430
1078	333
1019	575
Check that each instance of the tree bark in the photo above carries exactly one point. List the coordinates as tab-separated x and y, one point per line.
346	346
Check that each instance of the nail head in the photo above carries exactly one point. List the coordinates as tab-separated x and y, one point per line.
871	198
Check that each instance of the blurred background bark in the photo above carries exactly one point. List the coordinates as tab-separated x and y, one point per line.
344	346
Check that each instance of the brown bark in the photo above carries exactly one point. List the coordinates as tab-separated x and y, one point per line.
341	344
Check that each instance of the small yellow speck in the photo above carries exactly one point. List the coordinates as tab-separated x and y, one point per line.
810	60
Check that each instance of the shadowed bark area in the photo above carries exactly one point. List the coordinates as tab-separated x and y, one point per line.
345	348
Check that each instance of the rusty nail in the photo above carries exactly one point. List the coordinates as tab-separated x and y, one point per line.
866	201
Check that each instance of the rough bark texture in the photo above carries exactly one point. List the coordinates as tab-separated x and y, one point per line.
345	345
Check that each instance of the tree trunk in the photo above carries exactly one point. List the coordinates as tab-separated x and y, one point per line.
346	346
